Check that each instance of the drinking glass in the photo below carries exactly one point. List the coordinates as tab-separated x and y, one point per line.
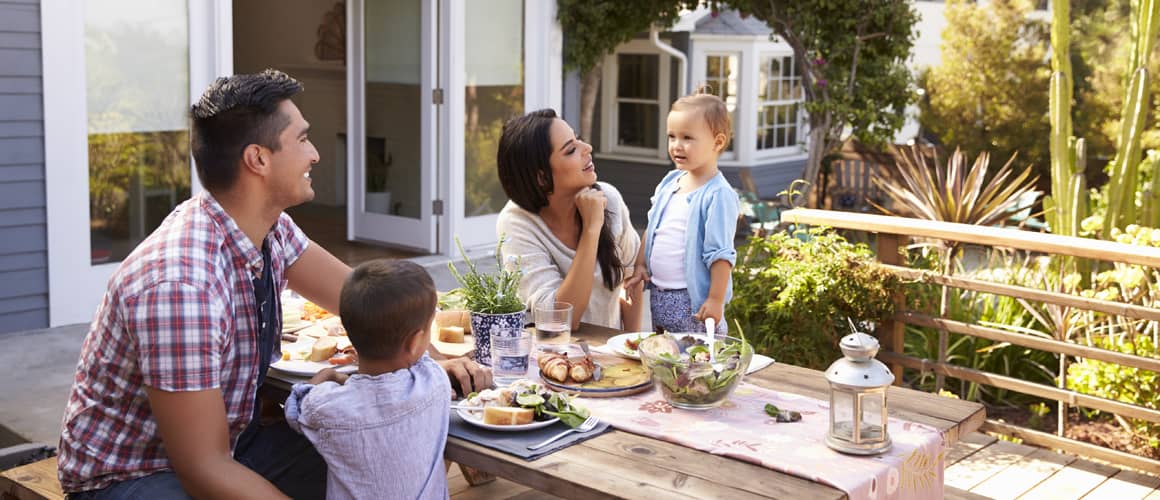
510	349
553	323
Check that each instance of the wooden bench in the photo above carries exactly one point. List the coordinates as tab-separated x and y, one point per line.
33	481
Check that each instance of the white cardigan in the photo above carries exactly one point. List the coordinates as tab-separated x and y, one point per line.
545	260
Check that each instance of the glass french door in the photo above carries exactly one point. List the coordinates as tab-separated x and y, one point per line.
119	76
392	123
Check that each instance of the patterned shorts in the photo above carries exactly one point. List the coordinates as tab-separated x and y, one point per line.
673	311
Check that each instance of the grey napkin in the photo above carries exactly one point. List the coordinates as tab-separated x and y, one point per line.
516	443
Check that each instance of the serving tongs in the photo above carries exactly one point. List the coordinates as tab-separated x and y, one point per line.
597	370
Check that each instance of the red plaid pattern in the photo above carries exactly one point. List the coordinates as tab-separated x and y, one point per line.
179	315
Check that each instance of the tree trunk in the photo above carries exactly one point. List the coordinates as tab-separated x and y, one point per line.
815	150
589	87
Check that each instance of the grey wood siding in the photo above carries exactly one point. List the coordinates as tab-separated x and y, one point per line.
23	228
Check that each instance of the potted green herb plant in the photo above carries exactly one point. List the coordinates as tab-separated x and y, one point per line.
492	299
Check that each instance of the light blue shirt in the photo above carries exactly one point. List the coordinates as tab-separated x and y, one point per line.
382	436
712	224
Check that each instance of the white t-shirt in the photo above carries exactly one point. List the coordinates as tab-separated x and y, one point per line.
667	260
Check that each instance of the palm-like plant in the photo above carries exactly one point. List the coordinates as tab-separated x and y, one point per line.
954	193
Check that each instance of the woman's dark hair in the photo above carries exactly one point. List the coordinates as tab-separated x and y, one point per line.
525	171
382	302
234	112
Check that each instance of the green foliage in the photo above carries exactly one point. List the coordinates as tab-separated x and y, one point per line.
996	311
852	57
596	27
1120	383
990	92
792	295
496	293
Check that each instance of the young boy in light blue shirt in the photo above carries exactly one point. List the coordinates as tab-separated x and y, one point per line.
383	430
688	254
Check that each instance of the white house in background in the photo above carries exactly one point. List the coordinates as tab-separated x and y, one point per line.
740	60
405	98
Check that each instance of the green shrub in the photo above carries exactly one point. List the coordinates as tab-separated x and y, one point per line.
792	296
1121	383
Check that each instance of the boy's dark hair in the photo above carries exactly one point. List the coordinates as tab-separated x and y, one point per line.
523	161
383	301
234	112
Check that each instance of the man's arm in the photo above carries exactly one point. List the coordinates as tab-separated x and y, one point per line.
318	275
197	441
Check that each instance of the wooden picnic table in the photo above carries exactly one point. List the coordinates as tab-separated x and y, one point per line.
619	464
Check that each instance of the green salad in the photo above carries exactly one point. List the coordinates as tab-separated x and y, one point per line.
688	375
524	393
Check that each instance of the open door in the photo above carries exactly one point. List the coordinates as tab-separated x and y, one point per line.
391	122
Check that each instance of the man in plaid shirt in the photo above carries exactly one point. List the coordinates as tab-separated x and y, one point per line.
164	400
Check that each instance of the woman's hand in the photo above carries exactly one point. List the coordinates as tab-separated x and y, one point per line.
591	202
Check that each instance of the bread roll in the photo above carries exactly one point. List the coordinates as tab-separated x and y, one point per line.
462	319
323	349
452	334
503	415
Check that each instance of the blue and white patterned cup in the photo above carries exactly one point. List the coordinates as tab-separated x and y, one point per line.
482	326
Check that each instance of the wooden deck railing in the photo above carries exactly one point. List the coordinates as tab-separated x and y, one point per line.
895	232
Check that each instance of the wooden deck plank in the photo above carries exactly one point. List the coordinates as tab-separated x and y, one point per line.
967	445
957	494
983	464
1023	475
1074	481
1126	484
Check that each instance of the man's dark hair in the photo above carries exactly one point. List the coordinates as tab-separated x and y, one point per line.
234	112
523	161
382	302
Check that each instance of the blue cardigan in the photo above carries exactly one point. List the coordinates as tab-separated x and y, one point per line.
713	212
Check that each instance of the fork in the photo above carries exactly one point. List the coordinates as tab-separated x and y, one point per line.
590	423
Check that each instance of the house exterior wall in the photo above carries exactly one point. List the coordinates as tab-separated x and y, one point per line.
23	230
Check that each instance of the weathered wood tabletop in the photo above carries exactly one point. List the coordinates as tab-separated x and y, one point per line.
619	464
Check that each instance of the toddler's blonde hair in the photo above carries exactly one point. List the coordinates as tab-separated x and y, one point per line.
712	110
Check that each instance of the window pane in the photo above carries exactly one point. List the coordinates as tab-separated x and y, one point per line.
137	92
638	125
787	69
713	67
637	77
494	93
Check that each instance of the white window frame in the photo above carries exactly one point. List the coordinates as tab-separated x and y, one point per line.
609	113
75	285
760	104
702	78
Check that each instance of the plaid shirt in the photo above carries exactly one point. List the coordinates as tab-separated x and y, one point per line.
179	315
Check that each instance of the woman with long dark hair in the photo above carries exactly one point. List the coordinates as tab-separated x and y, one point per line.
571	234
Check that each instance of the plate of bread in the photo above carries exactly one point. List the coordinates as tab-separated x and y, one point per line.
572	371
323	344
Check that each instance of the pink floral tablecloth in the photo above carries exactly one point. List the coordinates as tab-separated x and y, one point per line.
740	429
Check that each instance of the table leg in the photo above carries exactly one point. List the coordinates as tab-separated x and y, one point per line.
475	477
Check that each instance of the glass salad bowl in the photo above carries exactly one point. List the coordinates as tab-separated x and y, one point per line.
688	377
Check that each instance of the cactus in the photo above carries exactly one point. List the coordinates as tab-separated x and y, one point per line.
1063	209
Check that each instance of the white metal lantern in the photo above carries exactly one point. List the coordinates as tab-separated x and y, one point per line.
858	385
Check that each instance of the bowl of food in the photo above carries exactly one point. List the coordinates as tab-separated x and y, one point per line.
689	375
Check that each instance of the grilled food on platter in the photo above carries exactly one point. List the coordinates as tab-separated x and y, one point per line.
509	405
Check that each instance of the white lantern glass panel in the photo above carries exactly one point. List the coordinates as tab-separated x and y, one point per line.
872	421
842	414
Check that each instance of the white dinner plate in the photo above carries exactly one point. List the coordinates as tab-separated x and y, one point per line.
617	345
309	368
475	418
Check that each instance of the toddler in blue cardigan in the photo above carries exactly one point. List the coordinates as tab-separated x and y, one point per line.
688	255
